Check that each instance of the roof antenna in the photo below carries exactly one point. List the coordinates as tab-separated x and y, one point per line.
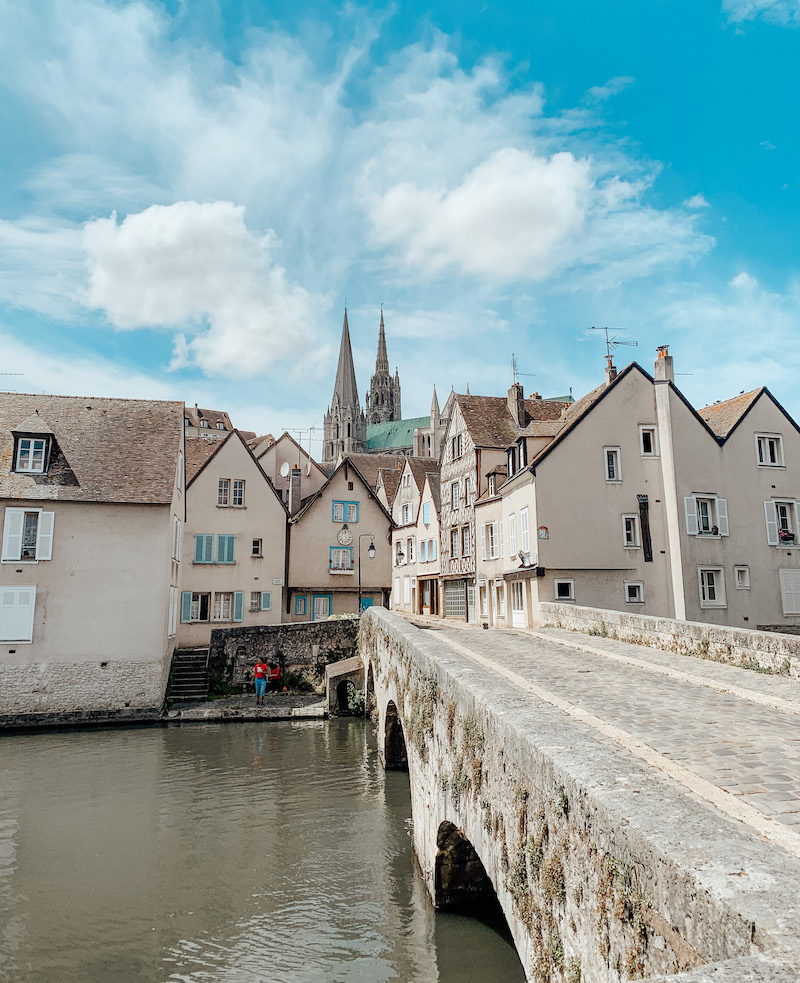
612	343
515	374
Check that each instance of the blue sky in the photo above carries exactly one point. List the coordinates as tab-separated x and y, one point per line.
189	192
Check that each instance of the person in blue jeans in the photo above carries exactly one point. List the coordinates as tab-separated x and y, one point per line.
260	674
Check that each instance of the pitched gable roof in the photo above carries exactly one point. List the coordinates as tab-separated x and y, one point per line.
200	450
390	479
490	424
103	450
348	467
725	416
434	480
370	464
419	467
202	457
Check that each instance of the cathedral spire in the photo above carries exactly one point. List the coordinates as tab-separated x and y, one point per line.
346	388
382	361
383	401
345	424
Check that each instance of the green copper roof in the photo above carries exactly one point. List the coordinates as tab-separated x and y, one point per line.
398	433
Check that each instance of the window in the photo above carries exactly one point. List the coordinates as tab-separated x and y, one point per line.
398	559
187	422
220	425
706	515
341	559
522	446
512	535
223	491
28	535
177	537
17	606
634	592
426	513
453	543
612	464
454	495
742	577
524	532
205	425
173	612
423	551
406	590
345	511
204	547
255	600
31	454
467	492
255	549
489	541
433	549
396	593
238	494
782	522
300	605
491	484
712	587
409	551
769	450
406	481
225	549
565	590
790	591
200	606
266	600
465	543
457	446
630	532
648	441
484	604
501	601
223	606
511	462
407	513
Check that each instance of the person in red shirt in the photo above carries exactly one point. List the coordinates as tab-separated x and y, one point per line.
260	674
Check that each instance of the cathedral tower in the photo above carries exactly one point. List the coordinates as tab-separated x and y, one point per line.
345	424
383	400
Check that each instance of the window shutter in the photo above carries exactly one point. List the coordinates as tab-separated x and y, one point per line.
186	607
500	537
204	548
433	544
44	536
225	549
771	516
690	507
266	600
483	542
426	513
722	516
790	591
238	605
12	534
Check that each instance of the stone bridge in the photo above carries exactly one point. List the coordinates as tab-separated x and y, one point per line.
535	789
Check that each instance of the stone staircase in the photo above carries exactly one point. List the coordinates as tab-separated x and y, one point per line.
189	676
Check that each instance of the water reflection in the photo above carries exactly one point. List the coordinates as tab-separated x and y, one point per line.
219	853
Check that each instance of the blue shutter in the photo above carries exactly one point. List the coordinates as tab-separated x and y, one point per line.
266	600
186	606
204	548
225	549
426	513
238	605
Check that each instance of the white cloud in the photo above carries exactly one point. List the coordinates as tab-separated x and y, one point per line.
42	264
599	93
197	266
743	281
696	201
786	12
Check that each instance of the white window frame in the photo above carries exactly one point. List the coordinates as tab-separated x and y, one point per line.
410	550
454	536
406	590
255	601
466	542
223	492
406	513
612	453
634	541
571	587
200	594
638	587
174	604
525	533
718	586
14	532
741	576
775	518
491	485
257	547
457	446
790	587
454	495
237	493
512	535
177	538
30	454
396	594
221	598
763	441
718	515
653	431
20	631
467	490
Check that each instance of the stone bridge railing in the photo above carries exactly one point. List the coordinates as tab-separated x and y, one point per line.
604	870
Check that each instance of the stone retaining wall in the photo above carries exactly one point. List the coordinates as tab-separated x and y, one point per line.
301	650
765	651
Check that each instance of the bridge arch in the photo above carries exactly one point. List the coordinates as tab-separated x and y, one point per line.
395	753
460	879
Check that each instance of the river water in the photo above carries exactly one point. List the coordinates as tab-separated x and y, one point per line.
222	854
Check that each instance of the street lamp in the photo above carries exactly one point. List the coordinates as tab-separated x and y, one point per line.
371	555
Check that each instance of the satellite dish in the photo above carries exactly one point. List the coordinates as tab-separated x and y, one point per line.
285	469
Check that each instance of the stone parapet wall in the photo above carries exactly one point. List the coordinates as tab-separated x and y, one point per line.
55	693
604	869
766	651
299	649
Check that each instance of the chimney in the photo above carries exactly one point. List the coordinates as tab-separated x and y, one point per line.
294	491
611	371
516	405
664	370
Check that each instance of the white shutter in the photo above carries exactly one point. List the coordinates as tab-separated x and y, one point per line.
500	537
771	515
690	507
44	536
17	606
12	534
790	591
722	516
483	542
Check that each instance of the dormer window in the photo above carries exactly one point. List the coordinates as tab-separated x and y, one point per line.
523	452
205	424
512	460
187	422
220	426
31	455
491	484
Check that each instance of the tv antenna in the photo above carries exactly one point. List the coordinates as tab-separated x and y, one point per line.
514	371
612	342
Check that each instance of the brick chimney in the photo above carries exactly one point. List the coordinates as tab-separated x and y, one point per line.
664	369
516	405
611	370
294	491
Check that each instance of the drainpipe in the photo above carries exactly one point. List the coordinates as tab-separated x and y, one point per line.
663	381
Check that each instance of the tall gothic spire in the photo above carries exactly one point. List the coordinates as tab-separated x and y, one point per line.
346	388
382	361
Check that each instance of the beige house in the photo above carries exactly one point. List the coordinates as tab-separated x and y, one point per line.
234	547
92	514
682	514
289	467
415	538
329	550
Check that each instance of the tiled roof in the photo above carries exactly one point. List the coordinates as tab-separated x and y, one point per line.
196	417
397	433
489	421
198	450
104	450
434	482
420	466
369	464
391	479
723	417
